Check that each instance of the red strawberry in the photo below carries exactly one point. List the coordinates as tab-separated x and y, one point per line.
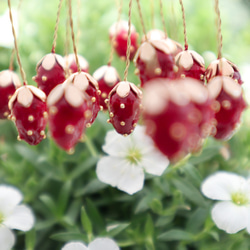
120	31
9	82
68	113
155	59
107	77
28	111
223	67
175	115
124	107
70	63
228	105
50	72
88	85
190	64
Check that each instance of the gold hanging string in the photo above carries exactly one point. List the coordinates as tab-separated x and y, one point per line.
78	22
141	19
73	36
219	34
128	42
13	50
184	24
67	43
114	36
16	47
162	19
152	14
56	27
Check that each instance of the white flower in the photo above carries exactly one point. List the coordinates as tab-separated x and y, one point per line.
97	244
12	216
232	212
128	158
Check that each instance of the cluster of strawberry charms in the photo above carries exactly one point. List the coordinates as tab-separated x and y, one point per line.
183	101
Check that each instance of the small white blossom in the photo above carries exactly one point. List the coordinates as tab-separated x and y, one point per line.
128	158
12	216
97	244
232	212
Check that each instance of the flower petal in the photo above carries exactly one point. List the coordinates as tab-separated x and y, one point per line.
21	218
248	220
103	244
132	179
7	238
75	245
230	217
109	169
155	163
221	185
116	144
9	198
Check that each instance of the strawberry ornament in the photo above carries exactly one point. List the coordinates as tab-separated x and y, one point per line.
88	86
107	77
155	59
28	111
190	64
223	67
176	113
124	105
70	63
228	105
68	114
9	82
119	30
50	72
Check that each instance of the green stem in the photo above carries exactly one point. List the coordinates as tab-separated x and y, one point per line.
90	146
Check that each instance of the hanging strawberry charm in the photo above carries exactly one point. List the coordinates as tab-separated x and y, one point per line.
190	64
120	31
9	82
28	111
228	105
176	114
68	114
70	63
155	59
124	107
88	86
107	77
50	72
223	67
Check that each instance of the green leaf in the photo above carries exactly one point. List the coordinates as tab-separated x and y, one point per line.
63	198
95	216
215	235
49	203
92	187
115	229
175	235
207	154
149	227
30	239
156	206
67	236
190	191
86	223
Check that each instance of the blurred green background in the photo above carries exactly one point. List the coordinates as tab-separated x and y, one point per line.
170	212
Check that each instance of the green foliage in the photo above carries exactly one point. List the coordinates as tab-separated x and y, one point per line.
68	201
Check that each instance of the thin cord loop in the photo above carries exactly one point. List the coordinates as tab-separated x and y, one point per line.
219	34
162	19
16	47
128	42
73	37
184	24
56	27
141	19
